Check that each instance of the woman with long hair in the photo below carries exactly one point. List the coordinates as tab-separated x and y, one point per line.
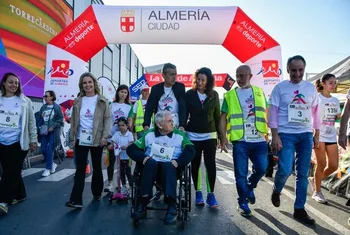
18	134
49	126
90	128
203	108
120	107
326	153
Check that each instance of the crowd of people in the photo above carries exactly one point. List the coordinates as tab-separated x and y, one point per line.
169	128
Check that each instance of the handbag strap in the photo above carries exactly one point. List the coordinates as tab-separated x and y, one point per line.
48	122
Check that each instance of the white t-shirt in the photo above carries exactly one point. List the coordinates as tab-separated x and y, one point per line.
246	100
10	120
201	136
329	109
48	114
119	110
287	95
87	111
168	102
121	141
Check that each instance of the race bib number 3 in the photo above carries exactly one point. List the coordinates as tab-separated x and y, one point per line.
250	132
9	119
86	138
161	153
299	113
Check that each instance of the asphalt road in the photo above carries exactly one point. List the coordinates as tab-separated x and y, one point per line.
44	211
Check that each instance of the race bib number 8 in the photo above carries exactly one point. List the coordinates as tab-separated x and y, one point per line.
9	119
299	113
162	153
250	132
86	138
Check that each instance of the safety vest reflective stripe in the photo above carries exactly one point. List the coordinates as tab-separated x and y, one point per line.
139	117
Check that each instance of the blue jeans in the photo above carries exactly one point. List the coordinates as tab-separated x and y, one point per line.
257	153
47	148
301	144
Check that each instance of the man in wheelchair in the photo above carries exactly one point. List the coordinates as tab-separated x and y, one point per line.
164	152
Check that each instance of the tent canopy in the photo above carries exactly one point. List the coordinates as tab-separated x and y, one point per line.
341	71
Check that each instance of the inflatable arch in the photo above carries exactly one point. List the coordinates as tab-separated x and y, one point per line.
99	25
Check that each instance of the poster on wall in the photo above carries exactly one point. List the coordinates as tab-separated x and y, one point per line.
26	27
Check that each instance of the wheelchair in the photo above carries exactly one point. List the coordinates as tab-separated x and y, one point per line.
183	197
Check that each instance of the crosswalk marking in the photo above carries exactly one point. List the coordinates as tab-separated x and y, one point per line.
31	171
59	175
225	177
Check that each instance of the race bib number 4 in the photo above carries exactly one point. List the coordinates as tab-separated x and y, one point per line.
250	132
299	113
9	119
86	138
162	153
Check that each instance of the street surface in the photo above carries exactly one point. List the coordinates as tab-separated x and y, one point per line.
44	211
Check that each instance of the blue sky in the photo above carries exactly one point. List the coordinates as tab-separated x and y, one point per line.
317	29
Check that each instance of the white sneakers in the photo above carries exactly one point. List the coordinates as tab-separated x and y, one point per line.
318	197
3	208
109	187
48	172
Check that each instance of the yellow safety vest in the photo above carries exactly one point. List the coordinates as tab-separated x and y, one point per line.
139	116
235	125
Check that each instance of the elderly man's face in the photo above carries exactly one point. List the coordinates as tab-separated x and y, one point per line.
168	124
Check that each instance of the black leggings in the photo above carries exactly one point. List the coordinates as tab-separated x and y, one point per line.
125	170
110	168
208	147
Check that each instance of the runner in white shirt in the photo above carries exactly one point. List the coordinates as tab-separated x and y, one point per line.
327	152
292	115
121	107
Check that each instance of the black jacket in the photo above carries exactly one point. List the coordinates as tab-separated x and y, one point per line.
204	119
152	103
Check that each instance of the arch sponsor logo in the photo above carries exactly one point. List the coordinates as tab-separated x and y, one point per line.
60	72
127	21
270	72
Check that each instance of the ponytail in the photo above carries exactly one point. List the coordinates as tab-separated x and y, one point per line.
318	85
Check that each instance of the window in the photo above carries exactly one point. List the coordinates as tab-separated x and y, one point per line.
107	62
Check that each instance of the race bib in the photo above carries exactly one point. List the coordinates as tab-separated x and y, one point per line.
331	111
162	153
299	113
250	132
86	138
9	119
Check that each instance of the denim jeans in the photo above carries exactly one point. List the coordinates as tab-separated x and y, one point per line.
257	153
301	144
47	148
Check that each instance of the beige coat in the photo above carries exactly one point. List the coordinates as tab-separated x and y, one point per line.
101	124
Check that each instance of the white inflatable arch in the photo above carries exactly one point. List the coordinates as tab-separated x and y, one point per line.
100	25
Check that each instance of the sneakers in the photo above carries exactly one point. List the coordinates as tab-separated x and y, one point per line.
199	198
318	197
171	215
300	214
244	210
251	197
74	205
46	173
211	201
109	187
275	199
15	201
124	190
87	169
3	208
311	183
139	213
53	169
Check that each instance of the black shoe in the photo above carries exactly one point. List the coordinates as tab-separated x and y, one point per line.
300	214
74	205
171	215
96	198
275	199
139	213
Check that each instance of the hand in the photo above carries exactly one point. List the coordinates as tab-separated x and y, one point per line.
174	162
276	143
146	159
224	143
145	128
316	141
110	147
342	141
50	129
103	142
182	129
33	146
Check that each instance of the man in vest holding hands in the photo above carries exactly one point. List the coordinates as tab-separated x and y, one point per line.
139	112
243	117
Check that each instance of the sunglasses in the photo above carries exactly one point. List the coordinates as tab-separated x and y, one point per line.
45	96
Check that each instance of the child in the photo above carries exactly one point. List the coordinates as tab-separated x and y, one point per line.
121	140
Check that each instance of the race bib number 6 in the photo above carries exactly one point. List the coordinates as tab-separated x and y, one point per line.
86	138
161	153
299	113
